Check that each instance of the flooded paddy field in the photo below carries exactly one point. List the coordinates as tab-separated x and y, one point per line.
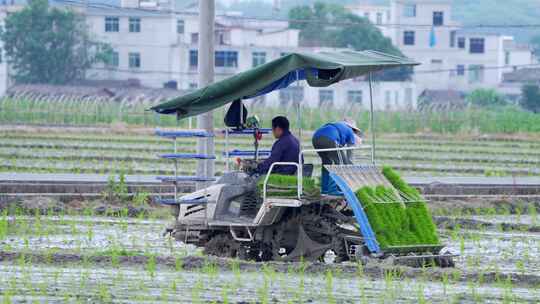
90	258
134	151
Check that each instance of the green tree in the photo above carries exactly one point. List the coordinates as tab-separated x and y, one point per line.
332	25
486	98
530	98
49	45
535	43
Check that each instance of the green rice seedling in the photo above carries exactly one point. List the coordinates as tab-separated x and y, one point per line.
533	213
178	263
174	286
7	295
196	292
420	294
359	269
4	224
329	278
396	224
286	185
141	199
445	282
520	266
225	294
104	294
210	268
151	265
263	291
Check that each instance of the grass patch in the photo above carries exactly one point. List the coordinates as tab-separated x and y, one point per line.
286	185
396	223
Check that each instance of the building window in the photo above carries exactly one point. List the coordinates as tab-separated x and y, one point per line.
461	42
506	57
179	26
112	24
113	60
438	18
290	95
283	54
436	61
379	18
221	38
409	10
387	97
193	58
408	37
134	25
476	73
476	45
354	97
194	38
134	60
460	70
396	99
228	59
452	39
408	98
326	97
193	86
366	15
258	58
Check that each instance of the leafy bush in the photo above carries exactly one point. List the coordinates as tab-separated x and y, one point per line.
286	185
486	98
530	99
396	223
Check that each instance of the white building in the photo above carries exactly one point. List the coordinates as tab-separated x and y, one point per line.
240	44
458	58
154	44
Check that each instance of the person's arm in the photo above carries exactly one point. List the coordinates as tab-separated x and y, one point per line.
275	156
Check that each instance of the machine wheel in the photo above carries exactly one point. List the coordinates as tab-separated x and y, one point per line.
326	231
222	245
307	236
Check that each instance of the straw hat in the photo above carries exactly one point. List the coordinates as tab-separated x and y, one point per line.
352	124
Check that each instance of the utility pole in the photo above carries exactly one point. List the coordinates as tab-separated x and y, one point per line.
206	77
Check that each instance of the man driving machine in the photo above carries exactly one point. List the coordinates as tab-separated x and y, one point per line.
285	149
330	136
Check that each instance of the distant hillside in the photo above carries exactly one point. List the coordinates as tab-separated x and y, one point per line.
501	12
466	11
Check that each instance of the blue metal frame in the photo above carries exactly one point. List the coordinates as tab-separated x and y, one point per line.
246	131
246	153
359	214
174	134
186	156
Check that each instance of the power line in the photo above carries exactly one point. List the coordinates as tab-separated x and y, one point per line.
434	71
308	21
479	67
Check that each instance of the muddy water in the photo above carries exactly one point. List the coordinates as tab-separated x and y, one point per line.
21	281
87	284
87	234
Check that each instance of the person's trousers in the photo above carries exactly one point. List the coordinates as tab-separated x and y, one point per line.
328	186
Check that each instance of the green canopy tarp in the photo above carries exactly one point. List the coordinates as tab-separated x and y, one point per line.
319	70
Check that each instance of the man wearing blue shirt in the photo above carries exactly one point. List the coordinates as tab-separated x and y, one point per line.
330	136
285	149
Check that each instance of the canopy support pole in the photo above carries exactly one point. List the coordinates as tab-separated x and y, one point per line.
206	76
371	118
298	113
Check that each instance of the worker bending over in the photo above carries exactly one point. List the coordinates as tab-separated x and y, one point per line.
285	149
331	136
